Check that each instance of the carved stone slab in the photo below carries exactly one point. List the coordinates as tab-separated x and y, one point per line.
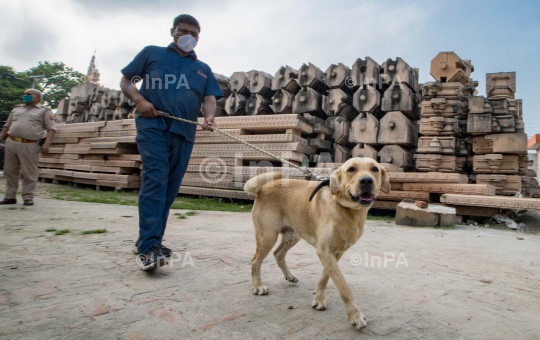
367	99
512	143
449	67
387	205
365	150
504	184
366	72
400	98
339	103
398	156
309	100
502	84
341	153
312	76
401	195
249	155
282	102
398	71
271	138
435	126
501	202
443	163
285	79
364	129
340	129
481	124
451	188
261	83
396	128
442	107
499	106
298	147
437	144
496	163
476	104
505	123
422	177
258	105
265	123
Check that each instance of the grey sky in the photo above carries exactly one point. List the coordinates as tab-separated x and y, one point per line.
245	35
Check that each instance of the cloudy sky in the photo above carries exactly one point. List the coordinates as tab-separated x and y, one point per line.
244	35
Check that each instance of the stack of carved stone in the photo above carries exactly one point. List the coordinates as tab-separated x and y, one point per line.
386	98
250	94
499	143
89	102
223	83
443	145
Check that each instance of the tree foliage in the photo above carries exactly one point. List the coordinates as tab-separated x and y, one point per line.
55	86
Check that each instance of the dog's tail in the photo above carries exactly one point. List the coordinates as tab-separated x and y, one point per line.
254	185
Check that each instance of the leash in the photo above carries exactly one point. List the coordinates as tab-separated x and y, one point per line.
301	168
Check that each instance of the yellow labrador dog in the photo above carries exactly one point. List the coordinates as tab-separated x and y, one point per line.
331	222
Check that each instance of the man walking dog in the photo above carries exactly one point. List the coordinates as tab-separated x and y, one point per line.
176	82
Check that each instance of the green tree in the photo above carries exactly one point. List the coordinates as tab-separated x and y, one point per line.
11	90
57	83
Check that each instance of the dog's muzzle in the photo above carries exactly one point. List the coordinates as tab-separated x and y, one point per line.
366	196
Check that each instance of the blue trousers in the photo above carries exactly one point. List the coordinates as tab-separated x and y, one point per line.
165	156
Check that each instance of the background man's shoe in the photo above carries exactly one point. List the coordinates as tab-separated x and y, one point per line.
152	259
9	201
28	202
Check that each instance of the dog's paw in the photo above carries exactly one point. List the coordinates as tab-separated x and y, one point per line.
260	290
319	304
291	278
359	320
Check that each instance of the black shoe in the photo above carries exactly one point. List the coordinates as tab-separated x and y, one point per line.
166	251
152	259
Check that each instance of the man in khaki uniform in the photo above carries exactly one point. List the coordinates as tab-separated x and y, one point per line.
23	129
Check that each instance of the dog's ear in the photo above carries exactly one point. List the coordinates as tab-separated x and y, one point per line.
335	181
385	184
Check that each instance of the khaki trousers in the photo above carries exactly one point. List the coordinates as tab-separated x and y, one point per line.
21	158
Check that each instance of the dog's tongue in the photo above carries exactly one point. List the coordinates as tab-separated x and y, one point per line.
366	197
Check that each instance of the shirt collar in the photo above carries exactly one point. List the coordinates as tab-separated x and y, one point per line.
191	54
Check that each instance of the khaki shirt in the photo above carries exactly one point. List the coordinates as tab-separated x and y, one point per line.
30	122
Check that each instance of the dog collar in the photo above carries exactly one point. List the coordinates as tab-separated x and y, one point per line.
319	187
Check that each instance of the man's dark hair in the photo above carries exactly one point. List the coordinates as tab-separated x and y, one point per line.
186	19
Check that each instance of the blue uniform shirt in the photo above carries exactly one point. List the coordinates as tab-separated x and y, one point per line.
174	84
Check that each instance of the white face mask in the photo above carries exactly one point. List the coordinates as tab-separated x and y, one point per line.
186	43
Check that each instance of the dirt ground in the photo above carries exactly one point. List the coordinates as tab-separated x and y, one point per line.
469	282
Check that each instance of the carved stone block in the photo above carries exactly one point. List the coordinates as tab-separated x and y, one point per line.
398	156
235	104
481	124
285	79
239	83
437	144
261	84
367	99
366	72
339	103
451	188
258	105
312	76
430	177
224	84
442	107
504	184
496	163
398	71
336	77
341	153
401	195
340	129
499	106
364	129
524	164
442	163
308	100
444	90
449	67
502	84
506	123
365	150
400	98
476	104
492	201
396	128
512	143
282	102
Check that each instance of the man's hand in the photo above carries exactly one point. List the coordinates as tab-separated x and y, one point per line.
45	148
146	109
209	124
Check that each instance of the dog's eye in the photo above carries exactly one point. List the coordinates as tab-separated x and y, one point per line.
351	169
375	169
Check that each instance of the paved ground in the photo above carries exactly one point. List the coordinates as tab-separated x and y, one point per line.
464	283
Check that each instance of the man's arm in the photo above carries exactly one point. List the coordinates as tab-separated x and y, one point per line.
3	135
209	111
48	140
145	108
